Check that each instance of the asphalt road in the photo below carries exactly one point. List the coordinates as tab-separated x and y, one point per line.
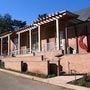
12	82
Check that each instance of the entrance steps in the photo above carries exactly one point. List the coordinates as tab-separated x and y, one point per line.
37	56
50	55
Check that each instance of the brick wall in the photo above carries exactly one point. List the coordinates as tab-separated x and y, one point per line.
13	65
40	67
80	63
35	64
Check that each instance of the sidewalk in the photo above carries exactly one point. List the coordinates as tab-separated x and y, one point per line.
59	80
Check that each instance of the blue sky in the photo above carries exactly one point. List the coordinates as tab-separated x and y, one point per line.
28	10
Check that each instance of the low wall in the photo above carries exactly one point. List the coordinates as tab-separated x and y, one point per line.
13	65
40	67
79	63
34	64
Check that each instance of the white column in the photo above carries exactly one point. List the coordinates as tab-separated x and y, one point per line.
8	44
18	43
1	46
57	33
39	40
30	41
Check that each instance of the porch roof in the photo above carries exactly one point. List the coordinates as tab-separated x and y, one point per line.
5	34
84	14
49	18
54	16
74	22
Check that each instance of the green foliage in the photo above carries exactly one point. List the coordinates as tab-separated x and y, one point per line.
19	23
9	24
41	16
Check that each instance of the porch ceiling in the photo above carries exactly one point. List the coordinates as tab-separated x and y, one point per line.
73	22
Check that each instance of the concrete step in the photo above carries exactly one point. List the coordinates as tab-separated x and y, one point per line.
51	55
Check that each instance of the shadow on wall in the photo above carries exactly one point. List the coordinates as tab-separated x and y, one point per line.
52	69
2	64
24	67
55	69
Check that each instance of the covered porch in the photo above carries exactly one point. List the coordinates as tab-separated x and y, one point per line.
50	33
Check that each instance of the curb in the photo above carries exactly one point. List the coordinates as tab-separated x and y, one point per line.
45	80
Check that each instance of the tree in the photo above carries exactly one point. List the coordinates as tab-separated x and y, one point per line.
19	23
41	16
5	23
9	24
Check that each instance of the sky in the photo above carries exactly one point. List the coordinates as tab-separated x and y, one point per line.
28	10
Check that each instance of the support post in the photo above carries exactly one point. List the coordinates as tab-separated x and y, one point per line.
77	47
30	41
58	68
88	38
57	33
18	43
8	44
66	39
1	46
39	39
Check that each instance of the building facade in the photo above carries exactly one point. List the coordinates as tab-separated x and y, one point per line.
60	32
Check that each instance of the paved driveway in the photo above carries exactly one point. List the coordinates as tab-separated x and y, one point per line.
11	82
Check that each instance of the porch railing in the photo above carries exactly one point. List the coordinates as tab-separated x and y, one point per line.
45	48
22	51
49	47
